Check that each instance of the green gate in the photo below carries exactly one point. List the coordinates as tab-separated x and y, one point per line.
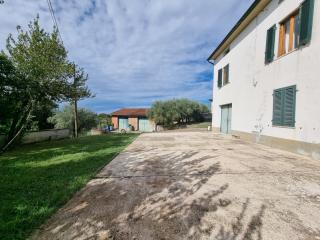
226	113
144	125
123	123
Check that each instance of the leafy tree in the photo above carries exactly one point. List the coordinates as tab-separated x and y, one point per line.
104	120
77	90
36	73
13	96
177	111
65	119
40	115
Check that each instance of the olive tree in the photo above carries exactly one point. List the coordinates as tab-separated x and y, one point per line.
64	118
176	111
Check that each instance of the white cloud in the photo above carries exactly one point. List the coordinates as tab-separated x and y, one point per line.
135	51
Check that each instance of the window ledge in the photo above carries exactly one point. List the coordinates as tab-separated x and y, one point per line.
223	86
277	126
286	54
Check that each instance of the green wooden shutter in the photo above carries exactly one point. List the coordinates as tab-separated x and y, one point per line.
306	19
284	106
289	106
277	107
271	35
226	69
220	78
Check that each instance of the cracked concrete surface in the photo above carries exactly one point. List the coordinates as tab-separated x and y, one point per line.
195	185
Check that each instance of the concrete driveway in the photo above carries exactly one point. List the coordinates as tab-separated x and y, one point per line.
195	185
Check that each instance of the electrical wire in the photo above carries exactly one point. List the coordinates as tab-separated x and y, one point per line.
55	23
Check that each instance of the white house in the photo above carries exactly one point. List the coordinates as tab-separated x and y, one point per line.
267	76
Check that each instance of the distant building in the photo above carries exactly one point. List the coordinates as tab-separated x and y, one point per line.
267	76
134	117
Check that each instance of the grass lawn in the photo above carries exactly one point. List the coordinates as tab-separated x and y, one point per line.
37	179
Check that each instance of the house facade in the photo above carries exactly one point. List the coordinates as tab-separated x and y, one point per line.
267	76
134	118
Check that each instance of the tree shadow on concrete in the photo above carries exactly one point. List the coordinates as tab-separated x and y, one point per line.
153	195
241	230
176	202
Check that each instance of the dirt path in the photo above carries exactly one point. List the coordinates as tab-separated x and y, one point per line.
195	185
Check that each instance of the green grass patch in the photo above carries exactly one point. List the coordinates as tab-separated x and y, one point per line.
37	179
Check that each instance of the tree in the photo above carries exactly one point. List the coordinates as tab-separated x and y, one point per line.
13	94
41	73
104	120
78	90
15	104
40	115
65	119
177	111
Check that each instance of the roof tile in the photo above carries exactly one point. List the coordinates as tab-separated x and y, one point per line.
131	112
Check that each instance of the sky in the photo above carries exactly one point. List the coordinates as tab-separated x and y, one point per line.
134	51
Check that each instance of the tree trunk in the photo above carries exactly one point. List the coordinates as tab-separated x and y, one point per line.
18	128
75	103
13	128
75	118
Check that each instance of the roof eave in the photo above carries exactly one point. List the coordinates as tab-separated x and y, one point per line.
129	115
244	21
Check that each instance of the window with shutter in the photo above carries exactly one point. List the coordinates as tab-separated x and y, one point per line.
220	78
294	31
284	105
277	107
288	34
226	75
289	102
269	55
306	19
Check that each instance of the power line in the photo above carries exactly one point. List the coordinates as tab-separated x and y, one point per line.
55	23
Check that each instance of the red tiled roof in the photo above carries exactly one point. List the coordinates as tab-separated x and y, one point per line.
131	112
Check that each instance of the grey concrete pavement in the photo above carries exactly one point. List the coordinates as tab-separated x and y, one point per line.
195	185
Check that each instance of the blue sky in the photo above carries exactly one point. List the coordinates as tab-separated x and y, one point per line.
135	51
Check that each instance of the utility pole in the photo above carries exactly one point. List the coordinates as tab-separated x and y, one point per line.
75	102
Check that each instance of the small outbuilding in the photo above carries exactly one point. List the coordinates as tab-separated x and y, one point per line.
134	118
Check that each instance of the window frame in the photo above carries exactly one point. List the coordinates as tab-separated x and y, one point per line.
223	76
300	32
283	49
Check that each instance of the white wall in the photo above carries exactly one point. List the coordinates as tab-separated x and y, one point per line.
54	134
252	82
46	135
